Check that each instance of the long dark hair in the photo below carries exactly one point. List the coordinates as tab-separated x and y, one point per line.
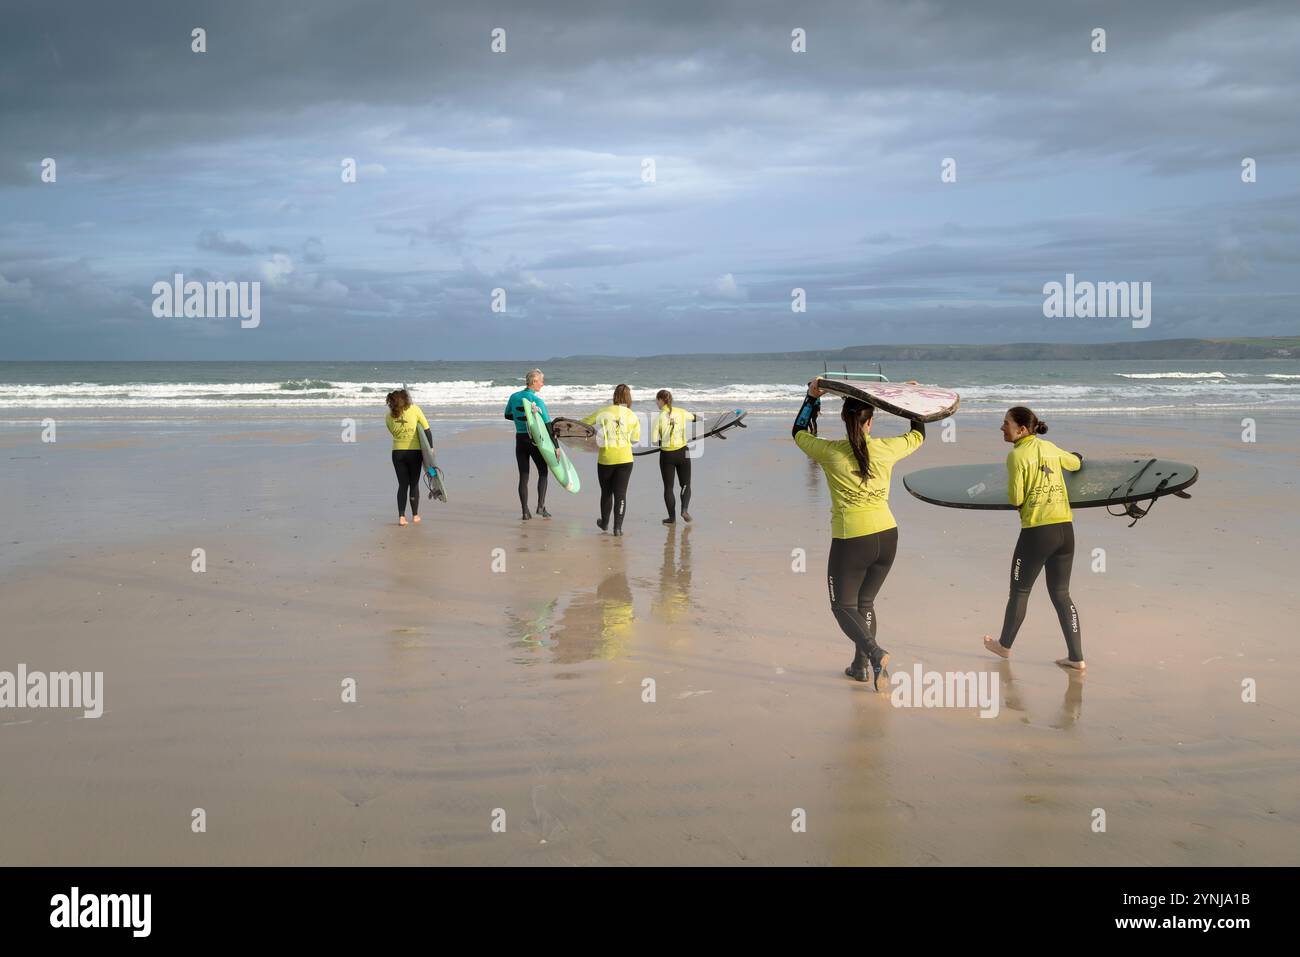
399	400
666	397
856	415
622	395
1024	417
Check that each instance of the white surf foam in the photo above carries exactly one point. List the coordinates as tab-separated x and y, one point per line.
1171	375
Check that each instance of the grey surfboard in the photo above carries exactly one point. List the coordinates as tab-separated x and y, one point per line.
709	427
432	474
575	434
1099	482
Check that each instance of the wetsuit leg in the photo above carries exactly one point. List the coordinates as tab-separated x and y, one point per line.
415	468
684	479
667	469
605	474
543	473
846	571
874	578
407	463
1059	565
1032	549
622	474
523	448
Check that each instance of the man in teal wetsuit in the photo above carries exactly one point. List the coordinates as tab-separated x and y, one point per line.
524	447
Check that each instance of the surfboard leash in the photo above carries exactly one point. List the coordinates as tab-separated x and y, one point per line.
1132	509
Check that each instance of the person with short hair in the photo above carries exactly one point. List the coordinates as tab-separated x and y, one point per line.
525	449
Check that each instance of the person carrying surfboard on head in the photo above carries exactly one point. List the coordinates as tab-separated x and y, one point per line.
403	419
864	535
670	436
525	450
617	430
1036	485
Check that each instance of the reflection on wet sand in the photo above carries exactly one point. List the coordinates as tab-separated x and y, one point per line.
1011	699
673	601
1072	703
864	810
813	477
582	625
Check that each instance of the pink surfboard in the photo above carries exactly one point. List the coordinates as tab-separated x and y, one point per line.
926	403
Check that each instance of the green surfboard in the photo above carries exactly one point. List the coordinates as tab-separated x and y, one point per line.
553	455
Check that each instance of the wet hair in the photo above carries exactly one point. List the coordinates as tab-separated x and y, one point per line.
666	397
622	395
532	376
1025	418
856	415
399	400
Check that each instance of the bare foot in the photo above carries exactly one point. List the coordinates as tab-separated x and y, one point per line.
1072	665
415	519
993	645
401	520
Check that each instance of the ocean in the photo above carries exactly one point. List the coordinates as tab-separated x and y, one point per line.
124	390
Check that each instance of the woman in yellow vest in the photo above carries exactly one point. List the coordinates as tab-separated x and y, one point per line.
403	418
617	430
864	535
1036	485
670	436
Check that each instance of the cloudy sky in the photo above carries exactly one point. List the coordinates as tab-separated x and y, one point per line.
524	171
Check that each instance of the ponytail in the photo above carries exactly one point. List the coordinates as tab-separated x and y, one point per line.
1026	419
856	415
666	397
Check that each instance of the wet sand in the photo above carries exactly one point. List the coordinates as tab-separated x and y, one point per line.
521	689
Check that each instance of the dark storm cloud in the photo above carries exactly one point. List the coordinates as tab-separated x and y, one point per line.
479	171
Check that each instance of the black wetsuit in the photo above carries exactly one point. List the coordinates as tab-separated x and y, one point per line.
408	464
1051	546
855	572
526	450
857	566
676	464
613	492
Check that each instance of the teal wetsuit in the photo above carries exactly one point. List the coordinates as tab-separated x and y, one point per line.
515	409
525	450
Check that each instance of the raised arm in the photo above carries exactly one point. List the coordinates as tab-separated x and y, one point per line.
806	419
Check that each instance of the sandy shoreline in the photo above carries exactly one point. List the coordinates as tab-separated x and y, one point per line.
521	689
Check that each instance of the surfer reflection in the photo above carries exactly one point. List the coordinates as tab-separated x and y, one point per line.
670	436
525	450
403	418
864	535
1036	485
583	625
1072	703
617	430
596	625
675	578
